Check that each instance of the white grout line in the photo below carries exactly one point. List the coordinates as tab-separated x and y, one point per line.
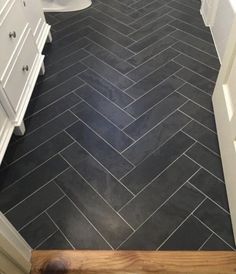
205	241
47	238
213	231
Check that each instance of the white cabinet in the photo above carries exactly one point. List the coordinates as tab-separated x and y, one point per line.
23	33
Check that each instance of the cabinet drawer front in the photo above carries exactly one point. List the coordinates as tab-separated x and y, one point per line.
12	25
21	71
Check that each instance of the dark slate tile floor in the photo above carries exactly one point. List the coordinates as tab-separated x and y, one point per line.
121	150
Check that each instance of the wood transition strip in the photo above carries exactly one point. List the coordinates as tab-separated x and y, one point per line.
133	262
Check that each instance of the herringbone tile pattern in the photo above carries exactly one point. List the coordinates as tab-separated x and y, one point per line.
121	149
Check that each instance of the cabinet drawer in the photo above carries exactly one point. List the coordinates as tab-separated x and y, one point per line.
12	26
19	76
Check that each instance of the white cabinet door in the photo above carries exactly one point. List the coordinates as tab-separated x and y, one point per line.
224	101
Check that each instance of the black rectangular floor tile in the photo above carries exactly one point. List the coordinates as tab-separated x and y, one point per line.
113	135
104	153
195	42
106	220
97	176
106	88
203	136
160	159
190	236
152	38
151	27
217	220
153	79
160	225
211	186
152	197
50	112
196	95
215	244
207	159
36	138
198	55
109	58
107	72
154	116
153	64
118	6
110	45
29	184
151	51
40	102
197	67
199	114
35	158
156	137
154	96
116	115
186	9
76	228
38	230
30	208
204	35
56	242
196	80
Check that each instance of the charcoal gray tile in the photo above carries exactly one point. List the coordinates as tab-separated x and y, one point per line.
160	225
204	35
113	135
152	197
203	136
154	96
116	36
29	184
190	236
97	176
197	54
211	186
195	42
104	153
31	207
107	72
154	116
160	159
217	220
107	89
148	67
39	102
199	114
56	242
197	67
105	219
32	160
186	9
150	39
110	45
153	79
104	106
137	24
155	138
76	228
118	6
29	142
215	244
151	51
196	80
197	96
38	230
109	58
58	78
207	159
151	27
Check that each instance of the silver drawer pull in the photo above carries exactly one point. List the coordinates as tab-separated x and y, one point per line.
25	68
12	34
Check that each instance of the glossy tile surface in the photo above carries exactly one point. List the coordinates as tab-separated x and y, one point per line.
121	149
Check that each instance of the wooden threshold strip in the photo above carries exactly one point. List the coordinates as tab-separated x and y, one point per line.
132	262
